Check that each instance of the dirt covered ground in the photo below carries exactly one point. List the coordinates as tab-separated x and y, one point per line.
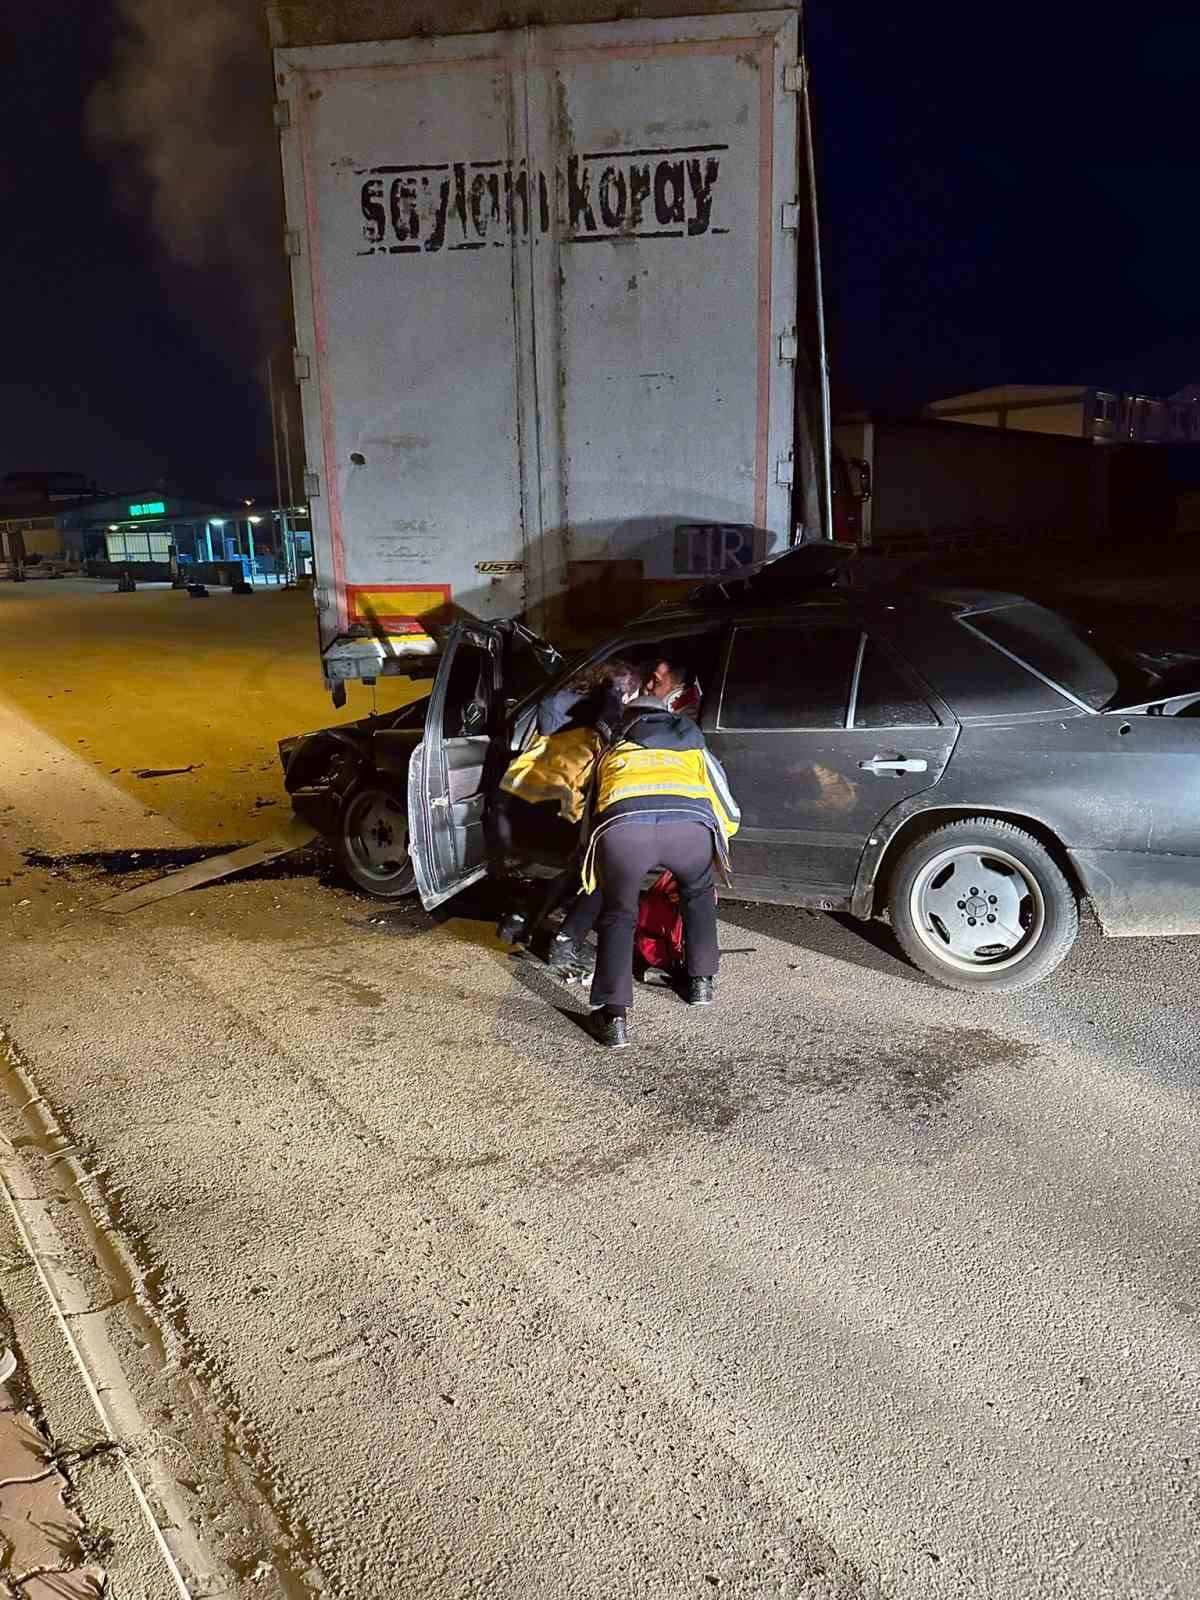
155	681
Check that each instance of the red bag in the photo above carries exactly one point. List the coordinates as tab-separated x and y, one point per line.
658	938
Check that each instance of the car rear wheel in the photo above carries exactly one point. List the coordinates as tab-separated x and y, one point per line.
371	843
982	904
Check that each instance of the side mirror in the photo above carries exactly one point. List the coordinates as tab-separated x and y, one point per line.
547	657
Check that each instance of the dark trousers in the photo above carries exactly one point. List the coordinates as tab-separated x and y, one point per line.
624	855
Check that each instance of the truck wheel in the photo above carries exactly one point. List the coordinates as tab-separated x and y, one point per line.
371	843
982	904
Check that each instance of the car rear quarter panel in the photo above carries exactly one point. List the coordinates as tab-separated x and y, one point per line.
1120	794
1099	782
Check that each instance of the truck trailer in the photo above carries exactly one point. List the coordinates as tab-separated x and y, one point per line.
557	304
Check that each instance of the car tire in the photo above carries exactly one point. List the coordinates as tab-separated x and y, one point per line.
982	905
371	841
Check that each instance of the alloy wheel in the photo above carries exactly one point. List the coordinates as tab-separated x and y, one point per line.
977	907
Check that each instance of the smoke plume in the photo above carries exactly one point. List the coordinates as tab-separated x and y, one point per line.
184	122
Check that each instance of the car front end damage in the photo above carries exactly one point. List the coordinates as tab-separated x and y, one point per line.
322	768
319	770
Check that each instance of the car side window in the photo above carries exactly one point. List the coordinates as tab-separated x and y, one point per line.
788	675
887	697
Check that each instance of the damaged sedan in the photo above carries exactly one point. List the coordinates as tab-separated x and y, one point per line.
967	763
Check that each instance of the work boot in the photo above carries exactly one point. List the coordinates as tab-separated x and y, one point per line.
608	1028
564	954
699	992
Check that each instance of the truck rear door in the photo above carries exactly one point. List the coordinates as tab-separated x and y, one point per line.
664	299
398	169
449	771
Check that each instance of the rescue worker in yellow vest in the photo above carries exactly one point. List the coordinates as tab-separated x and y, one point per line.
539	810
672	685
661	800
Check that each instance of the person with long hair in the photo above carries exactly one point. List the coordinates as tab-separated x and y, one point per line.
539	810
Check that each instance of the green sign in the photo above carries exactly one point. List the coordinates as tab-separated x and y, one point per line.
152	508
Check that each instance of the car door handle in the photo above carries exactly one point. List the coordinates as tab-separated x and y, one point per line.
878	764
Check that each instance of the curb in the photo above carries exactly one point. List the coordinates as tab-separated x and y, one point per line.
31	1200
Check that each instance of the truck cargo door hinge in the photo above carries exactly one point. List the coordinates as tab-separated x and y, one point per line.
283	113
312	485
300	364
291	242
791	216
785	471
793	79
789	345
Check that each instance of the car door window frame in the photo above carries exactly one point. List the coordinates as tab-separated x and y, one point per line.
921	690
841	624
435	716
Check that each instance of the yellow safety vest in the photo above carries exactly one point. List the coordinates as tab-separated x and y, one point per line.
631	773
558	767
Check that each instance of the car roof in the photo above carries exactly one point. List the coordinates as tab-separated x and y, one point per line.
957	602
964	601
808	572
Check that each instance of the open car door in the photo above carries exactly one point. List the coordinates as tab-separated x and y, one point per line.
448	771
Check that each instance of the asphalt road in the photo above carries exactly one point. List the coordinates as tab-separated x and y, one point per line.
849	1287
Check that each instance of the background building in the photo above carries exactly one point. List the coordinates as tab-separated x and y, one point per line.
138	532
29	502
1078	411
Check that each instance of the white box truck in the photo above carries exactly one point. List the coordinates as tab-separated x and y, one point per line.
557	306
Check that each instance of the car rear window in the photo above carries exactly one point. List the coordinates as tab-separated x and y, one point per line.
977	681
1047	643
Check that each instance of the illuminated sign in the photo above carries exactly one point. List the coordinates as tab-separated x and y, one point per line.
152	508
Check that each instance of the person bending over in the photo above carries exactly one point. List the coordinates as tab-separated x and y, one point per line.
662	800
669	682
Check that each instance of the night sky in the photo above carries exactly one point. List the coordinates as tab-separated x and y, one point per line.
1007	193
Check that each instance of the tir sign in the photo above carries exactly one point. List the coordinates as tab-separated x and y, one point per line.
705	549
151	508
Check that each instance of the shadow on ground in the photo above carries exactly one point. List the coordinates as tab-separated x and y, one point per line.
314	861
871	945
